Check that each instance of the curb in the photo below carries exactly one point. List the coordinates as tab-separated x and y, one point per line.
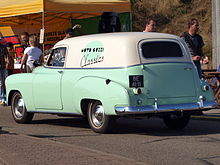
206	117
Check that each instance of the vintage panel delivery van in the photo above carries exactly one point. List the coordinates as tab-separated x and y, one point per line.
106	76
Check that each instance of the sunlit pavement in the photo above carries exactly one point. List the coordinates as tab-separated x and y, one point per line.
210	115
26	149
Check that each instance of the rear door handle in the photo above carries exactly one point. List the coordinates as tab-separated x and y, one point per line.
60	71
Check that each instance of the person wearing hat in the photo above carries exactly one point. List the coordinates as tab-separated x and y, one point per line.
3	58
70	31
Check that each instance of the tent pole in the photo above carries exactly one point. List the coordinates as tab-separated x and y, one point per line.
130	21
43	27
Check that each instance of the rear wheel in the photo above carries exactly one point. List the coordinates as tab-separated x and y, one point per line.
98	121
19	110
176	122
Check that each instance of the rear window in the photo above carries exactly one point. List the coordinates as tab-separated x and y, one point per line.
161	49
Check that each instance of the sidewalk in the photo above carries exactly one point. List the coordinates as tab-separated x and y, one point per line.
213	114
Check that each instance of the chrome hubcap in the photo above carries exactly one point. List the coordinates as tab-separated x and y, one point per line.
98	116
19	107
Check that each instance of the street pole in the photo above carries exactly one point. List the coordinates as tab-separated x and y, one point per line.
215	33
43	30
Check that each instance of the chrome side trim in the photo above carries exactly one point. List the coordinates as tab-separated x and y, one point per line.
119	67
165	108
52	112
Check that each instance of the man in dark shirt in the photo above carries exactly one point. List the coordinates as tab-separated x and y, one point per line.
3	56
195	44
24	40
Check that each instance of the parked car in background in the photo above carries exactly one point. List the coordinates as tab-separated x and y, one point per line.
106	76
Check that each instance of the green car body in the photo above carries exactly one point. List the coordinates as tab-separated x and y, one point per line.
114	70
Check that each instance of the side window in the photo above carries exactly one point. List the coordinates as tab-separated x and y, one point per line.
57	57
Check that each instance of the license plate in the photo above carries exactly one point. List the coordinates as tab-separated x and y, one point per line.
136	81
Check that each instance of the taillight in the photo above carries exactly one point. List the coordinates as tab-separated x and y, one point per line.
205	88
137	91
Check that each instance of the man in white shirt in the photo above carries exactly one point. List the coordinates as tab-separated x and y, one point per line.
31	54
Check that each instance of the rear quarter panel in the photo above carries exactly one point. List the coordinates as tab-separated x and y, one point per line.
79	84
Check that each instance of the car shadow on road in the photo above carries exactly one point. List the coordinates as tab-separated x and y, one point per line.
156	127
6	132
66	122
152	126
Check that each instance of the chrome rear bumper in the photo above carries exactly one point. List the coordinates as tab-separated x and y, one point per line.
165	108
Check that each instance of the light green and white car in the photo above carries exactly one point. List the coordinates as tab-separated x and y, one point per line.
106	76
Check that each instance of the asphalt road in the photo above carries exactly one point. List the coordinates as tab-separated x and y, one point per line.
62	140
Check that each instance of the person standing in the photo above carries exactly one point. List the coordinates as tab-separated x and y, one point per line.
24	40
3	57
31	54
11	58
195	44
70	31
151	26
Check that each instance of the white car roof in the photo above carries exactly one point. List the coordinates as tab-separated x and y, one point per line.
123	36
119	49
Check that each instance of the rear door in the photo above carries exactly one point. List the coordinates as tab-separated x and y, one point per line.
168	70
